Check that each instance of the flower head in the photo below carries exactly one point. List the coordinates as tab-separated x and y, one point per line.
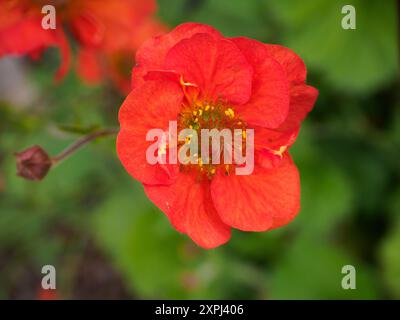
104	30
202	80
21	33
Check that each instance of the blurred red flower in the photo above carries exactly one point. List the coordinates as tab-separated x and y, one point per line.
262	87
107	32
47	294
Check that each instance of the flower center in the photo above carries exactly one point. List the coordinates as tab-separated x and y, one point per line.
208	115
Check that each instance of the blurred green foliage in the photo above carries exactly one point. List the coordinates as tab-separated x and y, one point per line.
355	61
348	155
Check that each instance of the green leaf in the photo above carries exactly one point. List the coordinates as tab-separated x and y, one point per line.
144	246
232	18
312	269
357	60
156	261
390	259
326	197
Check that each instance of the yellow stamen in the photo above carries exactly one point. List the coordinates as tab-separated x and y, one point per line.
212	170
280	152
229	112
186	84
200	112
188	138
207	107
194	112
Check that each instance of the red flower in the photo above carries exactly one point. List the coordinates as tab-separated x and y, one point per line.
105	30
47	294
246	83
21	32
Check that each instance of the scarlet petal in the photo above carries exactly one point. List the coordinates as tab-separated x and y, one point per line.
272	145
152	54
302	96
89	65
151	106
188	205
293	64
254	202
65	54
97	25
302	100
216	66
87	29
25	36
273	139
269	102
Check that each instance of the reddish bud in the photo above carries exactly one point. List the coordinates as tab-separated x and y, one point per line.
33	163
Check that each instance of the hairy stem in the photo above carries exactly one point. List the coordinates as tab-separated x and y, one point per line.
82	142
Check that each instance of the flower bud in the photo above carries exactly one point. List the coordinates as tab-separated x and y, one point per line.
33	163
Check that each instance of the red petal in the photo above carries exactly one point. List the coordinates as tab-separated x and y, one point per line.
65	54
110	25
293	64
273	139
88	29
153	52
302	96
151	55
151	106
25	36
269	102
216	66
188	205
89	65
254	202
21	33
271	146
302	100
